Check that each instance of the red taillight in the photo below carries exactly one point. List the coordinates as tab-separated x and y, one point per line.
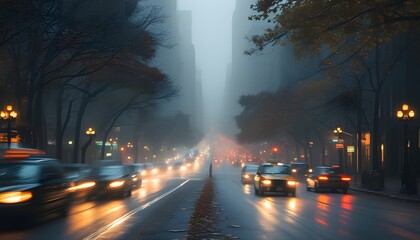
322	178
346	179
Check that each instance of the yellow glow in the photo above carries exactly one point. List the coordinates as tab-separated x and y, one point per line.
405	107
246	176
411	113
15	197
83	185
346	179
266	182
116	184
13	114
294	170
291	183
400	114
9	107
323	178
310	170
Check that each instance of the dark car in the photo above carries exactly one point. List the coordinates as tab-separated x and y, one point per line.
111	181
300	169
272	177
329	178
79	175
32	188
136	175
248	173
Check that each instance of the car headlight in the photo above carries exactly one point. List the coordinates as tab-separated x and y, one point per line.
15	197
310	170
266	182
291	183
83	185
246	176
294	170
116	184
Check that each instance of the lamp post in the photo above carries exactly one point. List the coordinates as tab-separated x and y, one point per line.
9	115
407	186
91	133
340	147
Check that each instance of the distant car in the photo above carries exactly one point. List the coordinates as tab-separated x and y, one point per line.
248	173
111	181
300	169
272	177
31	188
330	178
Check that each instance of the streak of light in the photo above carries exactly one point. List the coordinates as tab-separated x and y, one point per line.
126	216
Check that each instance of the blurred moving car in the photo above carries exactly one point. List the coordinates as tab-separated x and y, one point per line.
31	188
271	177
300	169
248	173
136	175
79	174
111	181
326	177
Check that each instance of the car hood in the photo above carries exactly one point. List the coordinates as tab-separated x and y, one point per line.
17	187
278	176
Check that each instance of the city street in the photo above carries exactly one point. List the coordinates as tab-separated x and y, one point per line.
312	215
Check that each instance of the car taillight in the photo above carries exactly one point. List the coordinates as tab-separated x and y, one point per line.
346	179
322	178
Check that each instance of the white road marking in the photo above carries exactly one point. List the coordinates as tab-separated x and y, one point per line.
122	219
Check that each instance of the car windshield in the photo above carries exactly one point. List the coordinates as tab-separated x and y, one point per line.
249	169
299	166
108	171
275	169
329	170
19	173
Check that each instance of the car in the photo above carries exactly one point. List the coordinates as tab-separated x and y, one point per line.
136	175
300	169
111	181
32	188
328	178
271	177
79	174
248	173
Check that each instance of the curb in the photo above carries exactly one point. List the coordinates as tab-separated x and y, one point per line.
390	195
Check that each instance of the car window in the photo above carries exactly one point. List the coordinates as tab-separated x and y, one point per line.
300	166
19	173
275	169
328	170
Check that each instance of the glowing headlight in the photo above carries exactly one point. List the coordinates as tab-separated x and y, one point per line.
116	184
15	197
266	182
155	170
83	185
183	168
246	176
310	170
291	183
294	170
143	173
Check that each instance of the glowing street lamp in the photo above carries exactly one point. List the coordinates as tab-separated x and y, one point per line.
8	115
91	133
408	185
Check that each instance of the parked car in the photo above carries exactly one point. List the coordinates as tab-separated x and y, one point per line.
248	173
111	180
271	177
31	188
329	178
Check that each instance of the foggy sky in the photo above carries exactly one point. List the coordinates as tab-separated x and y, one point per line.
211	36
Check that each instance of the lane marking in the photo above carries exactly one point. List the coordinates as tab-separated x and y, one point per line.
126	216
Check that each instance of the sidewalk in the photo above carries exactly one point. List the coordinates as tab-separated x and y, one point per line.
391	189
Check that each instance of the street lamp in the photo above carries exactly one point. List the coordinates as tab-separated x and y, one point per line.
91	133
8	115
340	147
407	185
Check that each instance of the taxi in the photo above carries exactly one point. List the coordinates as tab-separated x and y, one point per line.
272	177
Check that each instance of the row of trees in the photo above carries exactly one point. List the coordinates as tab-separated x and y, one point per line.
355	46
71	64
